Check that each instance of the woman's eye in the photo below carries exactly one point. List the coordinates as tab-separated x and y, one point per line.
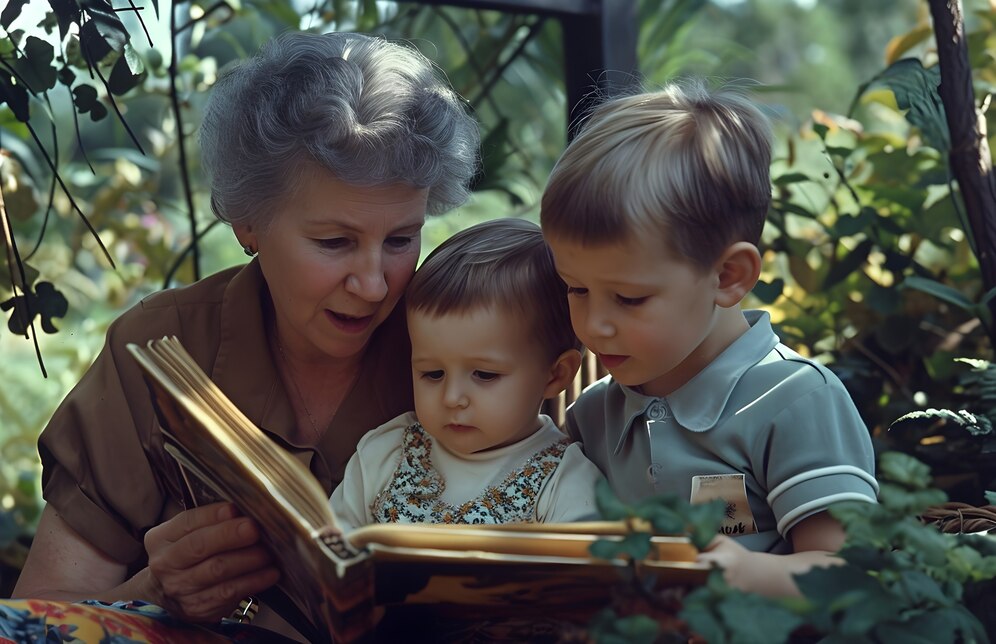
577	290
630	301
399	243
485	376
333	243
435	376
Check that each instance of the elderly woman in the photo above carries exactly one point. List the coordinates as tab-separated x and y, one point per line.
325	154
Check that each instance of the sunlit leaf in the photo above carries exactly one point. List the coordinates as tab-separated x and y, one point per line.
915	88
127	72
849	263
938	290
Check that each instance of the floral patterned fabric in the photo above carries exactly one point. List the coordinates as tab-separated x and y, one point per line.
414	492
25	621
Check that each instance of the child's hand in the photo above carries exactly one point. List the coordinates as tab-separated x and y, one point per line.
724	552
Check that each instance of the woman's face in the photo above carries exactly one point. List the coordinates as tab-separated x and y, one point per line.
337	258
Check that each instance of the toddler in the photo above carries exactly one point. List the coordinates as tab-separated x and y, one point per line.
491	339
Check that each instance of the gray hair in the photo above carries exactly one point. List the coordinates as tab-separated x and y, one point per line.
369	111
497	264
685	165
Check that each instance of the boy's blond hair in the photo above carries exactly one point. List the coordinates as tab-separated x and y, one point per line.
501	264
684	164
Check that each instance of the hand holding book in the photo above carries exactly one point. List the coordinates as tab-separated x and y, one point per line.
495	569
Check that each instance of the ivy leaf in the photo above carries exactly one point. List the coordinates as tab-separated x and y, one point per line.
635	545
127	72
85	98
102	33
916	588
768	292
67	12
904	469
35	67
757	619
16	98
11	12
45	301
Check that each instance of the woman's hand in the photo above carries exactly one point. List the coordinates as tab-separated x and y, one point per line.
203	561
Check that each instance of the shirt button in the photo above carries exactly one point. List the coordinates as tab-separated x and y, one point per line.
653	471
657	410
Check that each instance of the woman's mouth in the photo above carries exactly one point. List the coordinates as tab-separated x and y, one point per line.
349	323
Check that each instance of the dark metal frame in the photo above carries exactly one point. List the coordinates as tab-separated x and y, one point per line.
599	44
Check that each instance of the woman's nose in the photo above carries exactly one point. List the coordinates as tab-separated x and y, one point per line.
367	279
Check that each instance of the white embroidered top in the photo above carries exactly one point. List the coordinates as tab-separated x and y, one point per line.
525	481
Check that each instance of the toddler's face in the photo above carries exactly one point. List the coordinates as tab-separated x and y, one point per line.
479	379
647	314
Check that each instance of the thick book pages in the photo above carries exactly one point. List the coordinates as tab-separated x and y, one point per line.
484	571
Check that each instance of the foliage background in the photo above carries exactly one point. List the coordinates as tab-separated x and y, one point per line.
863	201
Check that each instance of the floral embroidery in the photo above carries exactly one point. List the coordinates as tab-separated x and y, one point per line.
413	495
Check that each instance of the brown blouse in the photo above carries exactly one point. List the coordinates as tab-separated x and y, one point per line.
104	467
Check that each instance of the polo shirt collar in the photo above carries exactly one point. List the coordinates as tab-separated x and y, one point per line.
698	404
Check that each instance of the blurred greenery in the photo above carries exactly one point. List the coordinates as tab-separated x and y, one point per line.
868	266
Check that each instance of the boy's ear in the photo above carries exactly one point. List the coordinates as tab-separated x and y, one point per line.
737	270
562	373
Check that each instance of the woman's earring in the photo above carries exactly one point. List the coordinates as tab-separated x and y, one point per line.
248	250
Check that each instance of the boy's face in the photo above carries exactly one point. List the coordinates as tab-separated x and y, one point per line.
479	378
648	315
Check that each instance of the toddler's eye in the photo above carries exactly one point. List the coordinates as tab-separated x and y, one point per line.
433	375
577	290
630	301
485	376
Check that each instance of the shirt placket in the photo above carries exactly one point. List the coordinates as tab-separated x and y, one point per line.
656	417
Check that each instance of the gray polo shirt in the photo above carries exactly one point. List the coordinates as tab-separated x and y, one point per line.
760	410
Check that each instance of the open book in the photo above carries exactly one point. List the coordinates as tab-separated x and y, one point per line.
338	580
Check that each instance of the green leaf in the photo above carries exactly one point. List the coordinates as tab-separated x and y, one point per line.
67	12
915	88
790	178
938	290
637	629
44	301
768	292
16	98
851	262
35	67
11	12
821	130
127	72
756	619
635	545
903	468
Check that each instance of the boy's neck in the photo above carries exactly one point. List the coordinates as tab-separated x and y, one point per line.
730	324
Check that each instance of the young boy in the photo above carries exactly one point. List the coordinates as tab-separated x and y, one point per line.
491	339
653	214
